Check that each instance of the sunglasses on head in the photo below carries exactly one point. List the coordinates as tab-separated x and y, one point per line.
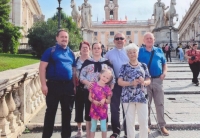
119	38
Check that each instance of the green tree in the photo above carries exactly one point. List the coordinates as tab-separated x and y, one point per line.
74	31
42	34
9	34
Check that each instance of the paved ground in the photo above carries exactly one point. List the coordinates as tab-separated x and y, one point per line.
175	133
182	107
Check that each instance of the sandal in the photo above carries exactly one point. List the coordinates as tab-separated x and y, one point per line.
79	134
114	135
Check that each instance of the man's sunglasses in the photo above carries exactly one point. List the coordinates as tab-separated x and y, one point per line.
119	38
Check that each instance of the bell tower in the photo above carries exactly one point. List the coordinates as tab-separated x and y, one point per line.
111	9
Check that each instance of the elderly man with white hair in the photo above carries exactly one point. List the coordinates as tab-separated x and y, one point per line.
134	77
155	59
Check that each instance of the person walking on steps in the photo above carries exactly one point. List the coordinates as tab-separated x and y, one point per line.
193	56
155	59
168	52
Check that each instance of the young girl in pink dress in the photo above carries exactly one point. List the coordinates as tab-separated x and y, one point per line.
100	95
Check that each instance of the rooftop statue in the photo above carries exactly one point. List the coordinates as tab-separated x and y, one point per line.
75	14
86	15
158	13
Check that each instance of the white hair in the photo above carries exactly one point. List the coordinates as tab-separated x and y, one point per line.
131	46
149	33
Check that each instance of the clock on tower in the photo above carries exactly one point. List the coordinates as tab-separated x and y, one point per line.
111	10
111	5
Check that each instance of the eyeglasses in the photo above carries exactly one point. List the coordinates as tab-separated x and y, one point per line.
119	38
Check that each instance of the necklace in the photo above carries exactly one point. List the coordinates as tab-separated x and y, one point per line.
132	64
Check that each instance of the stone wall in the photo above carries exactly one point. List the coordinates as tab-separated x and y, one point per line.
20	99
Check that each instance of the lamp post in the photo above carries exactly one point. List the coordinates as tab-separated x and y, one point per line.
170	36
59	15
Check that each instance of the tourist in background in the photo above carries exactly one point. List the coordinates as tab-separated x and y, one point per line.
134	77
193	56
181	54
163	48
89	74
168	52
79	98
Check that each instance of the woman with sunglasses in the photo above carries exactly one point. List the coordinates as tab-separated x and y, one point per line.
193	56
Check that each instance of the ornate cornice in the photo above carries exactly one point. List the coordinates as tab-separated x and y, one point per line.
189	14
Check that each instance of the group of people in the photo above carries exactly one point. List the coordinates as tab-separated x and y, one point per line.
129	75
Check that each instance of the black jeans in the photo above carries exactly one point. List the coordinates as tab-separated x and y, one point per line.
195	68
81	102
63	93
168	55
115	110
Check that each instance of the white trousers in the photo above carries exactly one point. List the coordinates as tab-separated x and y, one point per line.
142	111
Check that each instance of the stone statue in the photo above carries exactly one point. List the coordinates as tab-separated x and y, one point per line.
75	14
170	14
158	13
86	15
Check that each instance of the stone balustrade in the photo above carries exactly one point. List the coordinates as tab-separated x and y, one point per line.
21	99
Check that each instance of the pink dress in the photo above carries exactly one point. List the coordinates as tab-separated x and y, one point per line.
98	93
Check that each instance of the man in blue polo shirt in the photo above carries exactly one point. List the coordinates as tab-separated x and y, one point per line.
158	70
57	66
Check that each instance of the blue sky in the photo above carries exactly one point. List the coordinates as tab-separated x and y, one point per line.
133	9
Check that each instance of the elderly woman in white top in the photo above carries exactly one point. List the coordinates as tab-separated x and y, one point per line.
134	77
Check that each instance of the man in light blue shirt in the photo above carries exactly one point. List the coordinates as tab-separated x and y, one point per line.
117	56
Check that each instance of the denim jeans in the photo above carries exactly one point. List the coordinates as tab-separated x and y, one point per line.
63	93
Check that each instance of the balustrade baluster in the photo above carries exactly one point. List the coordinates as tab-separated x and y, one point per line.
18	104
29	102
33	96
4	124
11	106
37	91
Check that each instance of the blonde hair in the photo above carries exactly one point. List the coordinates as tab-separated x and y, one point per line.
109	71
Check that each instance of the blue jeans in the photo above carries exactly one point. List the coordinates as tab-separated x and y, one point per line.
63	93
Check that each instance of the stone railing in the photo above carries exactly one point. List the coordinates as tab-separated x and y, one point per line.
20	99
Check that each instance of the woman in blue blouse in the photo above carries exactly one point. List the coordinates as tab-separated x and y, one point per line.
134	77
